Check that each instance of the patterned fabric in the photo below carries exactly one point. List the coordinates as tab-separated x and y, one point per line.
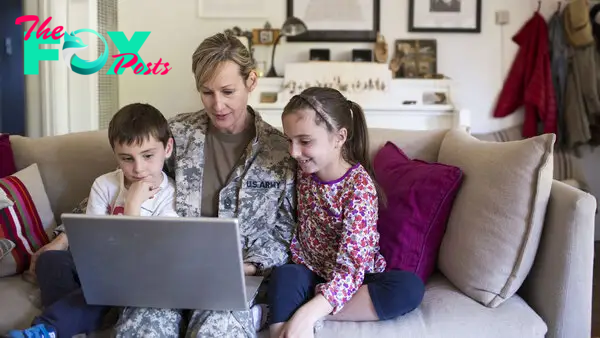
260	193
149	323
79	209
6	245
21	223
337	234
221	324
567	165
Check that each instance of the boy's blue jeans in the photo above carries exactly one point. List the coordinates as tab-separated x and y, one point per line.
65	309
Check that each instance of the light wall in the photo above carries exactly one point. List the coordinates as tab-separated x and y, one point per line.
477	62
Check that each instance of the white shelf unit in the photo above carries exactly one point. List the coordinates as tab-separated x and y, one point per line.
382	109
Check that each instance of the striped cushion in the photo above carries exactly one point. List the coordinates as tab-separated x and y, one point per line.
28	223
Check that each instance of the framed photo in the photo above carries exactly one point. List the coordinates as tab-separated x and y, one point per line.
319	54
264	36
451	16
336	20
414	59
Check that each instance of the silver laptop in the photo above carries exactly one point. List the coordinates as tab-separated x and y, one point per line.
160	262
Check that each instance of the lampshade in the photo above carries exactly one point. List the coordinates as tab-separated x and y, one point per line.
293	26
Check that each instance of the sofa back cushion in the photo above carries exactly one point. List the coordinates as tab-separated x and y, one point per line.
419	198
416	144
68	164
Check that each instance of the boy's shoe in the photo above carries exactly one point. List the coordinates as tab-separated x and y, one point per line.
36	331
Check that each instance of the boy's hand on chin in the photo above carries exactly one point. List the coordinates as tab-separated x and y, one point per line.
138	193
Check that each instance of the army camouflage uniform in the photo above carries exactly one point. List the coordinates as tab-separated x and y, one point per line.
260	192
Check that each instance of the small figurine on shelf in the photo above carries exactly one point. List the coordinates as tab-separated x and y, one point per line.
381	49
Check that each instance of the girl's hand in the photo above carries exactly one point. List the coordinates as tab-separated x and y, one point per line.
303	321
301	325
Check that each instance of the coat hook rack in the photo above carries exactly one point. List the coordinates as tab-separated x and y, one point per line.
539	5
559	5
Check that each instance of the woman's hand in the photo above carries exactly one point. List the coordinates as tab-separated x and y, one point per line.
59	243
249	269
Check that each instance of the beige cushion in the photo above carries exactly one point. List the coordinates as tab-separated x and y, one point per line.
447	313
495	225
69	164
417	144
17	310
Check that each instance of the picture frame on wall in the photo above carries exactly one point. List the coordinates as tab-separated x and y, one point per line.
444	16
336	20
414	58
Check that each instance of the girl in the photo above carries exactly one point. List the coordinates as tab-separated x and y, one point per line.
338	269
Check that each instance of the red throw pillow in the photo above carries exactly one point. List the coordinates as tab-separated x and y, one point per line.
7	161
419	197
22	223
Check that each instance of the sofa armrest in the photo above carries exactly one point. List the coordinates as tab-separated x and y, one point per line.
559	286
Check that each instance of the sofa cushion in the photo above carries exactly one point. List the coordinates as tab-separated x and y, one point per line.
447	312
7	161
419	144
29	222
496	222
69	164
419	198
16	310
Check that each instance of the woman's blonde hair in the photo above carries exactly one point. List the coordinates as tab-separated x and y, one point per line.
217	49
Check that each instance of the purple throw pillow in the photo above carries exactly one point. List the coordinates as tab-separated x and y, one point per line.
7	161
419	197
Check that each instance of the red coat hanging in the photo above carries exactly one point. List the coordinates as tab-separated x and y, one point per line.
529	81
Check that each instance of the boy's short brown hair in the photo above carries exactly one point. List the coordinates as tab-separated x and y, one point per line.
136	123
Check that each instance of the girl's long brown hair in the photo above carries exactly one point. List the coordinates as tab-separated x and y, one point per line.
336	112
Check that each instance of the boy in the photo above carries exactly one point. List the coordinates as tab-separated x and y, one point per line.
141	141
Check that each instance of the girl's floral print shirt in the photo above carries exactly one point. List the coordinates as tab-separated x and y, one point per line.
337	234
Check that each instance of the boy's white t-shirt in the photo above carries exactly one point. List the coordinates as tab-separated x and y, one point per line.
108	196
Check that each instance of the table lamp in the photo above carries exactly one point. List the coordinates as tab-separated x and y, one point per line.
291	27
